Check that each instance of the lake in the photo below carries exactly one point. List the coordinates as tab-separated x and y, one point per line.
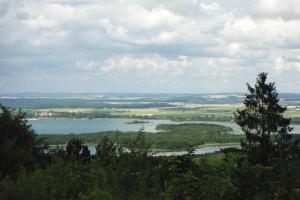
198	151
66	126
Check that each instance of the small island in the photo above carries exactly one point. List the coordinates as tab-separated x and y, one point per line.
138	122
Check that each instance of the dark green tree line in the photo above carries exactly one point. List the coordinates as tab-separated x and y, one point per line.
19	146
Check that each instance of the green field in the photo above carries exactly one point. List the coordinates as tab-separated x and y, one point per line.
177	107
219	112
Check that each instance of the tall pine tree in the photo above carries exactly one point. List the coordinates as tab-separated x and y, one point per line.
262	121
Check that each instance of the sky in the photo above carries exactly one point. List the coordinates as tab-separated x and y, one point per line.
149	46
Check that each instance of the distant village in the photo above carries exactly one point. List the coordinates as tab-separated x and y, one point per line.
44	114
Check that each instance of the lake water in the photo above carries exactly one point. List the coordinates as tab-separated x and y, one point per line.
66	126
198	151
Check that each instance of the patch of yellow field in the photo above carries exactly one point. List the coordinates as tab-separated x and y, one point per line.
140	111
66	109
227	106
212	110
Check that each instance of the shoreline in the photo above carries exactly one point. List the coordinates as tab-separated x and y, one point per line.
231	144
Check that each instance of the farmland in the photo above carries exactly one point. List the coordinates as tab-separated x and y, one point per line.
176	107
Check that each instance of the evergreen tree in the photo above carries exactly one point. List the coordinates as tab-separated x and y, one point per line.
19	145
77	151
107	151
267	131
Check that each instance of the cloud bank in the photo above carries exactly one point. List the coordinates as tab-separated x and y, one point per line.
147	46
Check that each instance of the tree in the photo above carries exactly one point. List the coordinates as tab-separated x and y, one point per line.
107	151
262	121
19	145
77	151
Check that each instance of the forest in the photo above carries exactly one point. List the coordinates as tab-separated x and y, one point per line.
171	136
266	167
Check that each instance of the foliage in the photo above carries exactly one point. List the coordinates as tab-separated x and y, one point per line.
266	130
77	151
269	169
170	137
19	145
128	170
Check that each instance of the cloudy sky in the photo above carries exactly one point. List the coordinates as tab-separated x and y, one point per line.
175	46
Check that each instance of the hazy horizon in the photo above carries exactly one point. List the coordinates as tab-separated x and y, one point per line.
125	94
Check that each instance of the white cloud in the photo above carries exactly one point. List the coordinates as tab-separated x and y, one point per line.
282	8
213	7
263	32
148	19
40	22
148	38
154	64
117	32
283	63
